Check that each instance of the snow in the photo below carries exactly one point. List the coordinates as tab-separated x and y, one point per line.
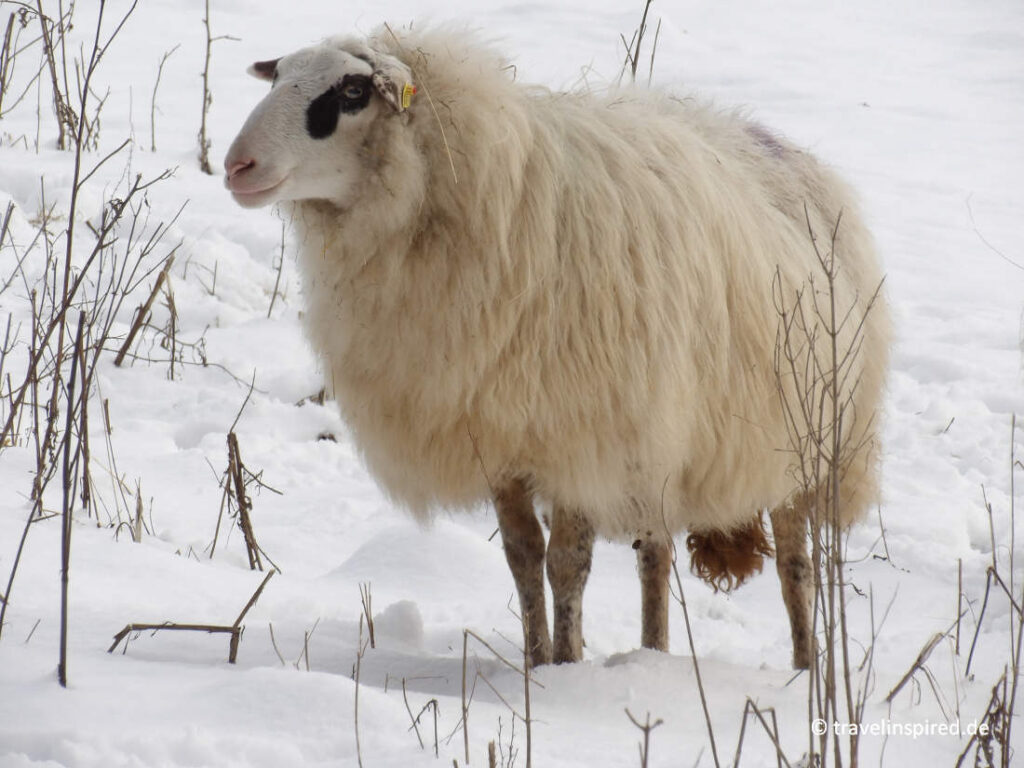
917	104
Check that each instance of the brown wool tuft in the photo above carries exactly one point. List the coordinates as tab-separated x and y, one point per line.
725	559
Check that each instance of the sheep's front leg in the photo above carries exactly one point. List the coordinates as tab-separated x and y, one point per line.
654	561
523	540
789	526
569	554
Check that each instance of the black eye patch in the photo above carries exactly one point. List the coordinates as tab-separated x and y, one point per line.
350	95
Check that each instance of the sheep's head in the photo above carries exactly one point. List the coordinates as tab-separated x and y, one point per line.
304	141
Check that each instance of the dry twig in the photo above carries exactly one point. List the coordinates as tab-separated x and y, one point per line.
235	629
142	313
359	663
204	143
773	732
152	101
645	727
366	598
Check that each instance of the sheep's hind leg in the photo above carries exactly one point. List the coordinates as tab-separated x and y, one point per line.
569	554
789	526
523	540
654	560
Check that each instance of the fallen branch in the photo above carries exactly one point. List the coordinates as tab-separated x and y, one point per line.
235	630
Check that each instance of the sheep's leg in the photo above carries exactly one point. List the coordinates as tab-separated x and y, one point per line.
569	554
523	541
654	560
789	526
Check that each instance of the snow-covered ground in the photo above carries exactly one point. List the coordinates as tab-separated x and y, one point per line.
919	104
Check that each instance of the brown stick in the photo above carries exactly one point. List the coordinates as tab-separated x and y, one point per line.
152	102
465	708
204	143
235	630
367	600
681	599
273	642
172	326
922	657
83	426
65	538
253	599
143	311
244	521
526	689
280	268
646	727
359	662
220	515
499	657
140	523
433	705
773	732
959	598
977	624
405	698
170	625
66	117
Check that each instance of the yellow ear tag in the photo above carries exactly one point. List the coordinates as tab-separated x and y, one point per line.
407	93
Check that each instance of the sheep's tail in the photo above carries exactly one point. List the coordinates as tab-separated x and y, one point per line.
725	559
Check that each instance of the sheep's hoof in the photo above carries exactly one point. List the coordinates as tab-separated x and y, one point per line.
541	661
801	658
540	654
567	657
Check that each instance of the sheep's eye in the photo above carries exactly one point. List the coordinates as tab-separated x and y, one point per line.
354	93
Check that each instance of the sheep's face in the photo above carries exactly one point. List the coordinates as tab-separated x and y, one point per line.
306	139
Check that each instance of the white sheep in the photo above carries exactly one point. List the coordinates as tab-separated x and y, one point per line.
522	294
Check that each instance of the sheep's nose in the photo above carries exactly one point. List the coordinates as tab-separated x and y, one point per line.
238	166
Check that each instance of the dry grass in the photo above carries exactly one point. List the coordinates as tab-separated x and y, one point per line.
994	748
74	301
822	422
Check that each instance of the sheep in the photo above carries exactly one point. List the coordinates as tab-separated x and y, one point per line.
521	295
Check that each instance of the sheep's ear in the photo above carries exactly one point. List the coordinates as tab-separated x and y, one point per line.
393	81
264	70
